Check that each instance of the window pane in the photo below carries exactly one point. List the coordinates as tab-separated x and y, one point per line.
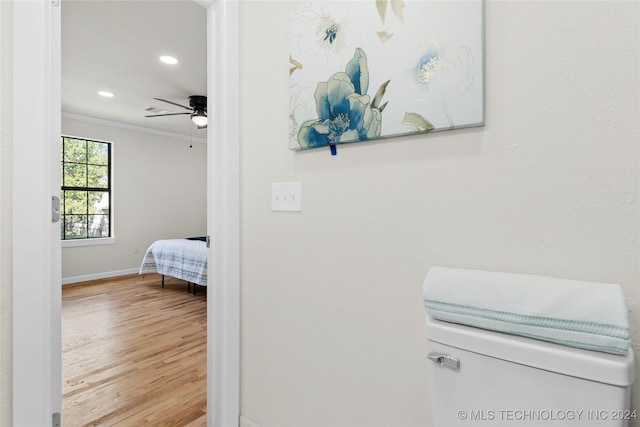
75	150
98	226
75	202
98	176
75	175
75	226
97	153
98	202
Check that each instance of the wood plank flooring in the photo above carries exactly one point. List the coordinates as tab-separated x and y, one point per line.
133	353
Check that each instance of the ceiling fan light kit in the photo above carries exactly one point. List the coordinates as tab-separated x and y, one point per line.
200	119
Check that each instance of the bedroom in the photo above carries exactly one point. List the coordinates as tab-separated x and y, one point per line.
158	189
159	163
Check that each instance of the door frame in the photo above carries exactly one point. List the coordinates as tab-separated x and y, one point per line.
223	212
36	251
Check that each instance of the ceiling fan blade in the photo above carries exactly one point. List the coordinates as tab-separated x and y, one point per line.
169	114
169	102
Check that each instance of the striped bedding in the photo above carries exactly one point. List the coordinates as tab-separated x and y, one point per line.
181	258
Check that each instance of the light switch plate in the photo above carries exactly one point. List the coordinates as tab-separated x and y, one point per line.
286	197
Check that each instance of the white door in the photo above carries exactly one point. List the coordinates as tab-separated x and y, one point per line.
37	388
36	266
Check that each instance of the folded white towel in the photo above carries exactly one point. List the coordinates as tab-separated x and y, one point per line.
579	314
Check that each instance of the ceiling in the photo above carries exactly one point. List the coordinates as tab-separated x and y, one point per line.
115	46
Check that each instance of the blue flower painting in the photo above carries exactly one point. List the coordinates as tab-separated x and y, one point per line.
424	58
346	113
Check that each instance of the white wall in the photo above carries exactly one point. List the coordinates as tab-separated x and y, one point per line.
6	119
159	186
332	314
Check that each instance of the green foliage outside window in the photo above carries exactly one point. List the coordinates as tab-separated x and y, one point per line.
86	188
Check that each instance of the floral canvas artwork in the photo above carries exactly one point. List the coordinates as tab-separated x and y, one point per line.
369	69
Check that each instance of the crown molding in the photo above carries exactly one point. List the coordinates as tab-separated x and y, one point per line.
126	126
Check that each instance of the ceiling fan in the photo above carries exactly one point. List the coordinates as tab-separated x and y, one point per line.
197	110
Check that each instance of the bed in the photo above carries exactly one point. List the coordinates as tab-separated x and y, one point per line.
184	259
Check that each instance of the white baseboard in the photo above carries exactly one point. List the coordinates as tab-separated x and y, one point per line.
76	279
246	422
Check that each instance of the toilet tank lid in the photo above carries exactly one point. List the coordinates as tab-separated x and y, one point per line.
587	364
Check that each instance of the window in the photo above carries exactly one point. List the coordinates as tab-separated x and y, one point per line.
86	189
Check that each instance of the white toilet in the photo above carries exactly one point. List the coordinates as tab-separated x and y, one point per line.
484	378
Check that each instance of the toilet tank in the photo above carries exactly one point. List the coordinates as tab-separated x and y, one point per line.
486	378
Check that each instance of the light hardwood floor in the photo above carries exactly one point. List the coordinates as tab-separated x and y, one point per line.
133	353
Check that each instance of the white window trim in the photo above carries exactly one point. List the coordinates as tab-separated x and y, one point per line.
73	243
95	241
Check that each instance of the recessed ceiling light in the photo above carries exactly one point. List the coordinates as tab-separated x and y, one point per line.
105	94
169	60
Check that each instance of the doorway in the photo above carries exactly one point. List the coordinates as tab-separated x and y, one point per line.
36	60
113	79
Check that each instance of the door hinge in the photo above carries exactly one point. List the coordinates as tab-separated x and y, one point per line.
208	241
55	419
55	2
